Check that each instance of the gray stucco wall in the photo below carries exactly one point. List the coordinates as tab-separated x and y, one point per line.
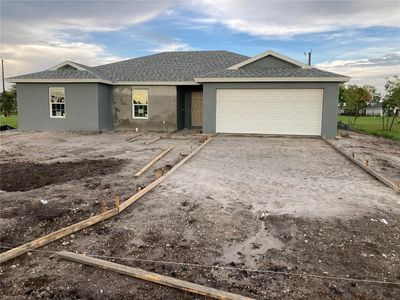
329	110
270	62
161	110
106	109
81	106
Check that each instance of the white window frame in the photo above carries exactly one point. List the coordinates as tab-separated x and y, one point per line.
133	105
50	104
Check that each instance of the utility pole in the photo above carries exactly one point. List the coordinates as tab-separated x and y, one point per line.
308	54
2	74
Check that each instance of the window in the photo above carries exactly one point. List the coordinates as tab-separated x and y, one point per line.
140	102
57	102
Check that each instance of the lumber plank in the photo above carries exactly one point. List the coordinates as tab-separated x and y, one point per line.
152	141
139	136
150	276
5	256
156	182
153	161
364	166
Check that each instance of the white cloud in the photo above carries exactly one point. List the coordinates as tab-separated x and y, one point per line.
373	71
284	19
174	46
21	58
38	34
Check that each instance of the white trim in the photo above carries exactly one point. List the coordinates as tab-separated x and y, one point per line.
67	63
276	79
50	104
269	53
155	83
58	80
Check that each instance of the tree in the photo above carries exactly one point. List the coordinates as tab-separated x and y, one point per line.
356	99
376	96
391	103
8	101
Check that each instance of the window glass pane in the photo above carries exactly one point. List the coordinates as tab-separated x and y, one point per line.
140	96
57	101
140	100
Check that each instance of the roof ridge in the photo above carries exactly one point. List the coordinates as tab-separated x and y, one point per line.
175	52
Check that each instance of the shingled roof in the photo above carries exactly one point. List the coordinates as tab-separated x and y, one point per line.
176	68
171	66
166	66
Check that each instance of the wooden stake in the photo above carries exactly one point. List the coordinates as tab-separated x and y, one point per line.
117	201
103	205
152	277
153	161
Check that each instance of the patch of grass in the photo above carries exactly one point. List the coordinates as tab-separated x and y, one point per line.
373	125
10	121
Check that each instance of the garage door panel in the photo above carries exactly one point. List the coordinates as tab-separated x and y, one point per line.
269	111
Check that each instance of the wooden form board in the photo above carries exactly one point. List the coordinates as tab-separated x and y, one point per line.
153	161
152	277
138	136
5	256
152	141
156	182
10	254
364	167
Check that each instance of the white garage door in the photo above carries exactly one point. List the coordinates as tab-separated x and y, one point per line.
269	111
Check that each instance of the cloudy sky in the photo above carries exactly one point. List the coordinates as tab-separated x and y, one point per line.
360	39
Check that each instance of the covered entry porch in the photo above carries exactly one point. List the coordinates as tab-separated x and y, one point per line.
189	111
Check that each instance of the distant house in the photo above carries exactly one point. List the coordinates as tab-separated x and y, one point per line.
374	110
341	108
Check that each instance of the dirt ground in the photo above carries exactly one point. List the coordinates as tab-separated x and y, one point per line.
282	206
383	155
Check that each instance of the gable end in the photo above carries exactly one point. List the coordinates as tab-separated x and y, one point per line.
271	62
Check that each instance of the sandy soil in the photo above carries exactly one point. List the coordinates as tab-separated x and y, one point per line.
279	205
383	155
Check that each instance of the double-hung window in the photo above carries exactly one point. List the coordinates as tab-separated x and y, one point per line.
57	102
140	103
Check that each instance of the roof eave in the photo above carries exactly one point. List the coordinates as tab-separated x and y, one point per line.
341	79
94	80
155	83
59	80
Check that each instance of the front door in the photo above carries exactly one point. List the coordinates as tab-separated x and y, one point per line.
197	109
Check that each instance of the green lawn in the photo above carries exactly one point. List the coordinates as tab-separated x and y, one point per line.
11	121
373	125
